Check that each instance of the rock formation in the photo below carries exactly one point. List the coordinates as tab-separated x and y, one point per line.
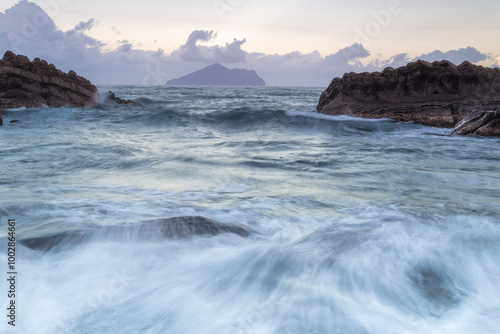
438	94
110	98
479	123
218	75
33	84
152	230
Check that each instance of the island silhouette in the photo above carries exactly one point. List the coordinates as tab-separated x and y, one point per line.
219	75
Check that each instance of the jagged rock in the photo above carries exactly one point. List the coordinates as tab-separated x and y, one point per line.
437	94
33	84
479	123
110	99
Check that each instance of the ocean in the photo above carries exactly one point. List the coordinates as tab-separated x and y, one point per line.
358	226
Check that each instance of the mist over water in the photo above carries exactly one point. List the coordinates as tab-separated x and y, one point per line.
360	226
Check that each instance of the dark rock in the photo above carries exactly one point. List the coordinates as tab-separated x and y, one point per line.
436	94
34	84
479	123
153	230
57	241
110	98
183	227
14	121
218	75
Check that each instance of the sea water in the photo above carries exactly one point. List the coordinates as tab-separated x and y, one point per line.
361	226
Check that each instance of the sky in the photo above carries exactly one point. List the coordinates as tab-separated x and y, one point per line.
288	43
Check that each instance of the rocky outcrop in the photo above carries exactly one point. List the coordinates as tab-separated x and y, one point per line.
437	94
479	123
33	84
110	98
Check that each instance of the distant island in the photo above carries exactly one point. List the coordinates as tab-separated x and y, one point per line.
219	75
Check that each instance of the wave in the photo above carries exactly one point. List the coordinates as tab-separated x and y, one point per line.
360	227
376	269
342	118
145	100
243	118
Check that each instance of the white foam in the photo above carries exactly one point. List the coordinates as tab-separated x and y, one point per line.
341	118
347	279
16	109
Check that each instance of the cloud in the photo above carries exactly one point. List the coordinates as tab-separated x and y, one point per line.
116	30
85	26
348	57
192	52
306	69
25	22
395	61
125	47
27	29
455	56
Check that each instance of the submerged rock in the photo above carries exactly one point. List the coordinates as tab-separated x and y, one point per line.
56	241
34	84
437	94
183	227
165	228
